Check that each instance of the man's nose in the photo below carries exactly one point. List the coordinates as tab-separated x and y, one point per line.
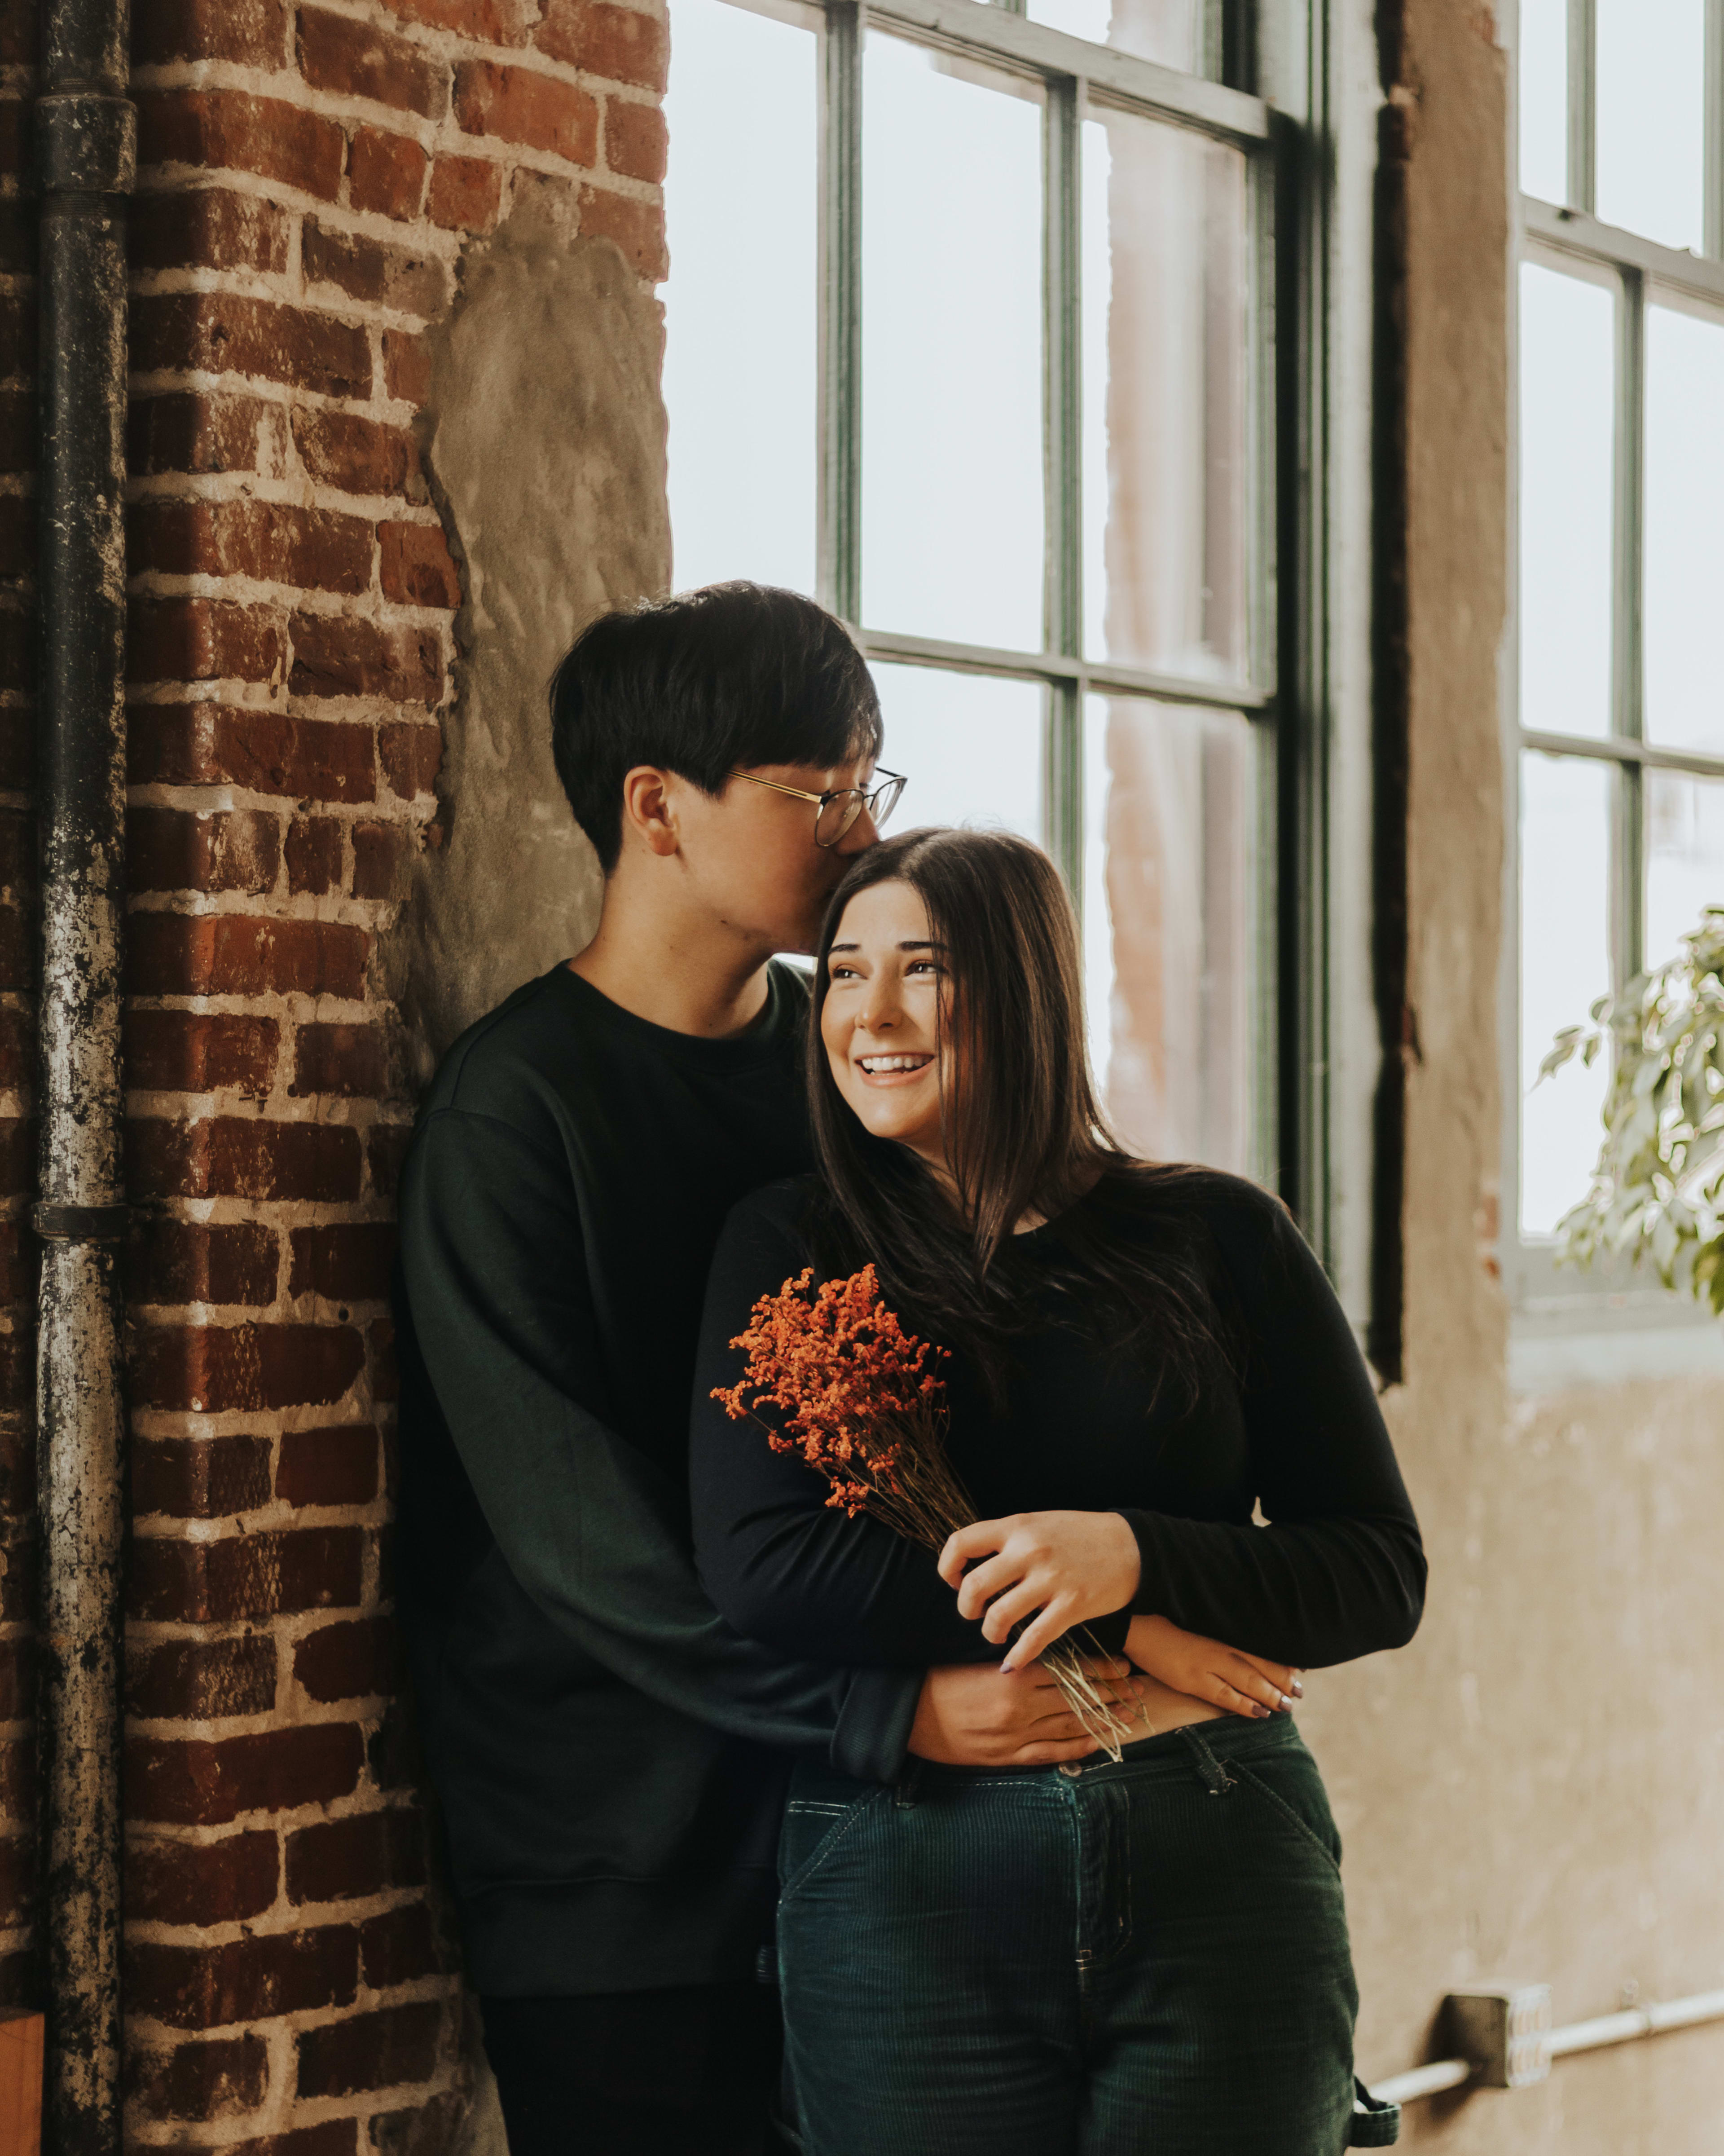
862	835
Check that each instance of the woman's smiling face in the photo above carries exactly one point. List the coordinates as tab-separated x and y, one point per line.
880	1024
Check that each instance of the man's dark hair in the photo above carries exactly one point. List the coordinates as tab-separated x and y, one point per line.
704	684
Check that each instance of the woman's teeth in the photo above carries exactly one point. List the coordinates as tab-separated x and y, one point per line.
874	1064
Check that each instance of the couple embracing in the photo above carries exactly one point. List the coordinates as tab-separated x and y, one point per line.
769	1826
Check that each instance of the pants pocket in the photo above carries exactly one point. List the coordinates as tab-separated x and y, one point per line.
812	1830
1294	1792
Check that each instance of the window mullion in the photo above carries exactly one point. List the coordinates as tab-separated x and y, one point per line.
1583	104
1062	439
1714	242
1628	907
839	567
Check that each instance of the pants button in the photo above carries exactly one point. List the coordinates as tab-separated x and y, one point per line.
1070	1769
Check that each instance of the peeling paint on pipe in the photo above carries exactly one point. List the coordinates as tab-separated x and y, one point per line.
86	154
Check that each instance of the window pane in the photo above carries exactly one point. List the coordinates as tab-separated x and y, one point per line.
742	357
1565	967
1684	620
1168	31
1684	857
970	746
1168	911
951	349
1543	63
1567	428
1652	118
1165	460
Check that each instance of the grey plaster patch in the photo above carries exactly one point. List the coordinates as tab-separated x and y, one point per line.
544	442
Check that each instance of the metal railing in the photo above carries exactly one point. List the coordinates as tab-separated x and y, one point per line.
1504	2040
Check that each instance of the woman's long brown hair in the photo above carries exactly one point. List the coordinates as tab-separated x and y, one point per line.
1025	1134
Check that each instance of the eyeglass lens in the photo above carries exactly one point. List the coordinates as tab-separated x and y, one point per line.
840	812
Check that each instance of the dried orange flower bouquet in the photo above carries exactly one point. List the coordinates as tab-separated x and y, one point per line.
861	1403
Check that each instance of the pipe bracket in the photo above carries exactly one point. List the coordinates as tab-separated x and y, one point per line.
86	144
81	1224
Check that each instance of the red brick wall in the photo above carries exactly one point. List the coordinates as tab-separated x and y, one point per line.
310	176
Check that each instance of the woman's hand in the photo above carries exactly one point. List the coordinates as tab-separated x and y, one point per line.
971	1715
1187	1662
1068	1566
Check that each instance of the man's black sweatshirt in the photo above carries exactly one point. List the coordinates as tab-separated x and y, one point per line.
608	1752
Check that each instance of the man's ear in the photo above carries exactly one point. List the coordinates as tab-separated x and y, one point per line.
649	811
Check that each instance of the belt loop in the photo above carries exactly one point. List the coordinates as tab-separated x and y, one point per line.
906	1789
1216	1779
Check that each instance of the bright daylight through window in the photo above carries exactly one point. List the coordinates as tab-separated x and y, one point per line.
968	340
1621	543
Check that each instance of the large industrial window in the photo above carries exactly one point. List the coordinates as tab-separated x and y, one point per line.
969	334
1620	672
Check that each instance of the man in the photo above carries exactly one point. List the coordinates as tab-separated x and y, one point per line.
608	1755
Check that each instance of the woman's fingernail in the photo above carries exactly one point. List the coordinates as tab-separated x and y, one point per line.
1298	1689
1261	1712
1287	1704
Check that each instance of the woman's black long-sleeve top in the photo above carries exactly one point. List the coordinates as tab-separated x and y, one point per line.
1287	1424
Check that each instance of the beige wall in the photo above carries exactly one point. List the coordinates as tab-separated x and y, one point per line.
1535	1790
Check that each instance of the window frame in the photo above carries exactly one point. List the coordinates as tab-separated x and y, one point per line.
1552	1305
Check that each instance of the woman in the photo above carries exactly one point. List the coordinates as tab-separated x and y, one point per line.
1097	1958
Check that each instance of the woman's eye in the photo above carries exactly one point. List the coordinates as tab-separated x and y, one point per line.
841	974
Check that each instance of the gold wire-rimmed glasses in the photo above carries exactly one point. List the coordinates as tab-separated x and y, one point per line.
837	809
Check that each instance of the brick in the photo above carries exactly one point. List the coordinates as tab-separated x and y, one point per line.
224	850
357	455
199	1478
380	1352
18	430
188	432
385	1146
344	1261
232	130
176	1051
349	1062
202	1679
17	854
194	639
17	1780
412	757
335	2137
245	1979
17	1159
18	1269
618	44
218	744
197	1782
18	1496
17	1681
17	968
359	1659
386	173
417	566
18	540
208	228
177	1261
314	854
349	1860
251	32
215	1882
17	1368
202	2081
208	1369
337	1465
634	139
18	334
358	59
637	227
410	282
399	1946
384	2050
17	1880
17	738
18	647
272	541
223	333
407	365
485	22
267	1572
240	954
466	193
536	112
382	854
337	655
232	1157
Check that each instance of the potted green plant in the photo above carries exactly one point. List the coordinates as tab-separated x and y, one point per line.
1657	1187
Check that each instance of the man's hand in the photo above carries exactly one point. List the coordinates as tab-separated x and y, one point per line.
1069	1566
1188	1662
970	1715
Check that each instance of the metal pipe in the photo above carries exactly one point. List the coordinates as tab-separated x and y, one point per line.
1623	2028
86	161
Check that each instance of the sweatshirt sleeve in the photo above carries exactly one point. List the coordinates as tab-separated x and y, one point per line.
1339	1571
499	1292
784	1567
